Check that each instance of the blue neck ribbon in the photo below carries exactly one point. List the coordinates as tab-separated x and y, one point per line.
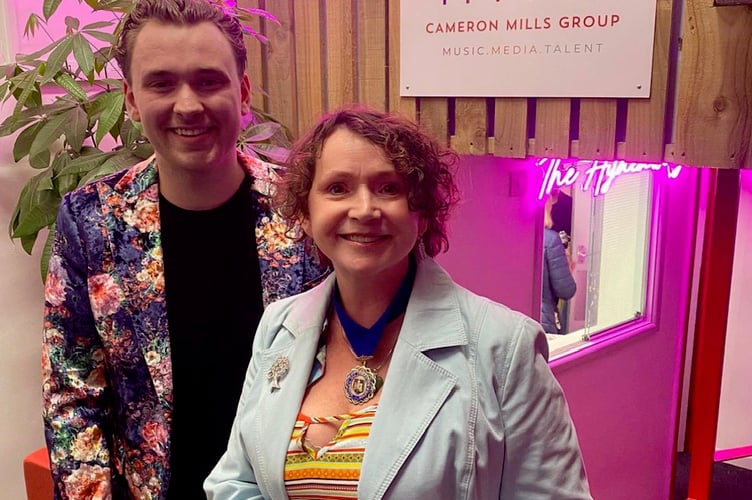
365	340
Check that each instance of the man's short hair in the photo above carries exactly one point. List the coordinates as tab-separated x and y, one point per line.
179	12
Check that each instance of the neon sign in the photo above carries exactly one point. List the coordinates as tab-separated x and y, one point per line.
598	176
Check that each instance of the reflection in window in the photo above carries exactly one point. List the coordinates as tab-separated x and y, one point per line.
608	248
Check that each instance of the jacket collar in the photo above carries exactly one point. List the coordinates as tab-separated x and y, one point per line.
432	320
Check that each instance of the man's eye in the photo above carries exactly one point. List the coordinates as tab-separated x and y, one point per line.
160	84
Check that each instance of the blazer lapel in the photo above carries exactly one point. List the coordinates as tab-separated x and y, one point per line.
278	409
416	386
132	221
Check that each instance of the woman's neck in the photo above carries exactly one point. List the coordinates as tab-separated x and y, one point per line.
365	300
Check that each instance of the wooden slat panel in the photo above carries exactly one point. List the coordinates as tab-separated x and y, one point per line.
510	127
404	105
646	117
254	58
714	93
597	129
280	75
340	54
434	118
470	133
552	128
372	59
308	64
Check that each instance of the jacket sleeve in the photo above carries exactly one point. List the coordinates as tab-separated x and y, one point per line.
233	477
76	398
561	279
542	455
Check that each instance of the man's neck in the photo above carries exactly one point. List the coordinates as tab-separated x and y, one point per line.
200	190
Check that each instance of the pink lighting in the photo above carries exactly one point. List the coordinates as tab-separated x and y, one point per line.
595	176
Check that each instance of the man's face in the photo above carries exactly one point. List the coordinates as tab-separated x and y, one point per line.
185	90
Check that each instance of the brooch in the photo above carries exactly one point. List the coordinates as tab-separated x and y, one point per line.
278	370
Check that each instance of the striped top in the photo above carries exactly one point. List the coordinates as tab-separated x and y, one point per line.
331	472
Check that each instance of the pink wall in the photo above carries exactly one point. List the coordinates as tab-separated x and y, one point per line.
493	232
623	391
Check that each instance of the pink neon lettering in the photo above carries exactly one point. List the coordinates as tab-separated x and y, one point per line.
554	178
598	177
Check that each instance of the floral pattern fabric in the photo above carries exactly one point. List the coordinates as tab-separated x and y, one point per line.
107	378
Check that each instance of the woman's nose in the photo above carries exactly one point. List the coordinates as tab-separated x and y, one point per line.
365	206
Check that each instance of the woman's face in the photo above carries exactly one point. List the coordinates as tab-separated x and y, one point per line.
358	212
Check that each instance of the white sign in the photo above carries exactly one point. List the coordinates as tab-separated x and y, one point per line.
526	48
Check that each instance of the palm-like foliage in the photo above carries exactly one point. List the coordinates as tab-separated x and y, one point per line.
70	117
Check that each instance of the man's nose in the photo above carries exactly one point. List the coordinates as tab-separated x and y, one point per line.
187	101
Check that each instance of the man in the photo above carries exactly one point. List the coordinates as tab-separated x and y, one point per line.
159	274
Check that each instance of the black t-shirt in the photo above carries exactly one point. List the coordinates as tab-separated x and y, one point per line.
213	293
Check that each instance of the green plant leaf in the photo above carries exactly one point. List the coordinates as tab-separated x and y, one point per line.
4	89
49	7
27	58
27	242
38	204
71	86
100	35
72	23
261	131
13	123
62	183
269	152
40	160
128	133
57	59
142	150
46	252
112	103
84	163
19	120
78	124
113	164
26	89
31	25
84	55
53	128
97	25
24	140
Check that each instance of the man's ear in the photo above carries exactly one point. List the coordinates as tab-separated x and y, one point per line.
130	102
245	95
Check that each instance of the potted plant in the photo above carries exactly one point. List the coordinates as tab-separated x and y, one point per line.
70	117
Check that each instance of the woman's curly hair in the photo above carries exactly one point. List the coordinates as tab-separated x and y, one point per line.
426	167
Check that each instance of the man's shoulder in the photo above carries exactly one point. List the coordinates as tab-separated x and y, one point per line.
265	174
114	181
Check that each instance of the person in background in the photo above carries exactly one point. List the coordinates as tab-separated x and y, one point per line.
389	380
557	282
159	273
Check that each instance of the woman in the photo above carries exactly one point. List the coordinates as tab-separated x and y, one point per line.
447	395
557	280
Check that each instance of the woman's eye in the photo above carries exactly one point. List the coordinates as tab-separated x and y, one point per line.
336	189
391	188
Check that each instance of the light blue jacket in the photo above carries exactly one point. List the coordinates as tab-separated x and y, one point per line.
469	409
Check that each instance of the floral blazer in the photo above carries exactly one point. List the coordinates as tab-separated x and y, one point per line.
107	381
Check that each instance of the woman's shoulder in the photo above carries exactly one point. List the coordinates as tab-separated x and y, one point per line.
484	314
